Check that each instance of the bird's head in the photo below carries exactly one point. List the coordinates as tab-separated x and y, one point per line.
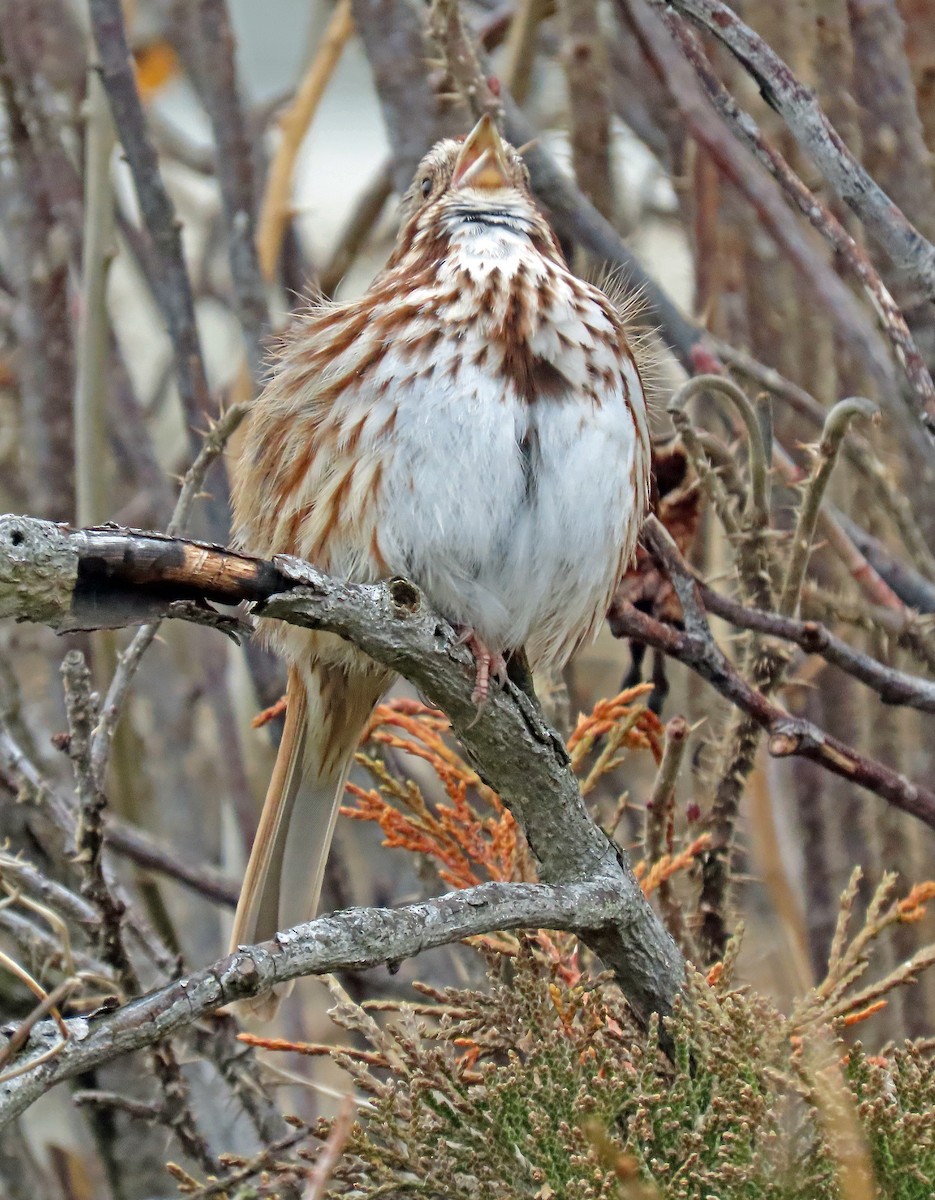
462	187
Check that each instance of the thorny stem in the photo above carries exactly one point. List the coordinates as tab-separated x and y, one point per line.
891	318
836	425
753	562
758	506
768	663
861	455
660	813
696	647
813	131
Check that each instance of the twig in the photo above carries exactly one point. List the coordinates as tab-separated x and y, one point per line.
831	438
55	951
48	1003
172	285
176	1111
852	323
892	320
218	88
22	773
213	442
659	809
275	209
913	589
911	253
893	687
46	998
589	108
751	537
860	454
894	149
147	851
215	1037
359	224
695	647
89	832
54	895
42	317
264	1161
905	628
519	52
330	1153
137	1110
353	939
759	464
213	445
133	843
92	344
660	815
830	529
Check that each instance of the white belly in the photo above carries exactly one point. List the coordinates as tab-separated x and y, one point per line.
511	516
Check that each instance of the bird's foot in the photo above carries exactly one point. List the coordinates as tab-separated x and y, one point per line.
488	665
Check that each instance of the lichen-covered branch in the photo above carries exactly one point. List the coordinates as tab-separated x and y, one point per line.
354	939
107	576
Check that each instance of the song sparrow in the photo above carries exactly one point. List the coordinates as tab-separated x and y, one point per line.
477	423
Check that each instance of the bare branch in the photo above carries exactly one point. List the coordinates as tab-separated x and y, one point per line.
172	284
696	648
276	208
743	125
797	105
89	831
893	687
213	445
220	94
354	939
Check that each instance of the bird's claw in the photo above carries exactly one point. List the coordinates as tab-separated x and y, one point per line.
488	665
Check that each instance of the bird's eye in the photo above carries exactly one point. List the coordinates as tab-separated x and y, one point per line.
426	186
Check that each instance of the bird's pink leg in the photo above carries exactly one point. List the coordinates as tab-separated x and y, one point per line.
487	663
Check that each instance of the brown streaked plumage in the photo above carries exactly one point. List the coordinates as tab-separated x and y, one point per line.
476	422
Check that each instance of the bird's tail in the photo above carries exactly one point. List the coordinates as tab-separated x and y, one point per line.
325	714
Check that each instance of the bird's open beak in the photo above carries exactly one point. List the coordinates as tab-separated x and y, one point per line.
482	162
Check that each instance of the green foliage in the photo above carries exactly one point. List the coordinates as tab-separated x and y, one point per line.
544	1088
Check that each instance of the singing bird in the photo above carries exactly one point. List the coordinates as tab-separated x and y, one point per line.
477	423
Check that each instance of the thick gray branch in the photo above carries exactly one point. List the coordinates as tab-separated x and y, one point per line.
110	572
354	939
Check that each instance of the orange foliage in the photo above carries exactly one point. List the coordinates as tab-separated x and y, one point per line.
913	907
269	714
670	864
857	1017
640	728
471	838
